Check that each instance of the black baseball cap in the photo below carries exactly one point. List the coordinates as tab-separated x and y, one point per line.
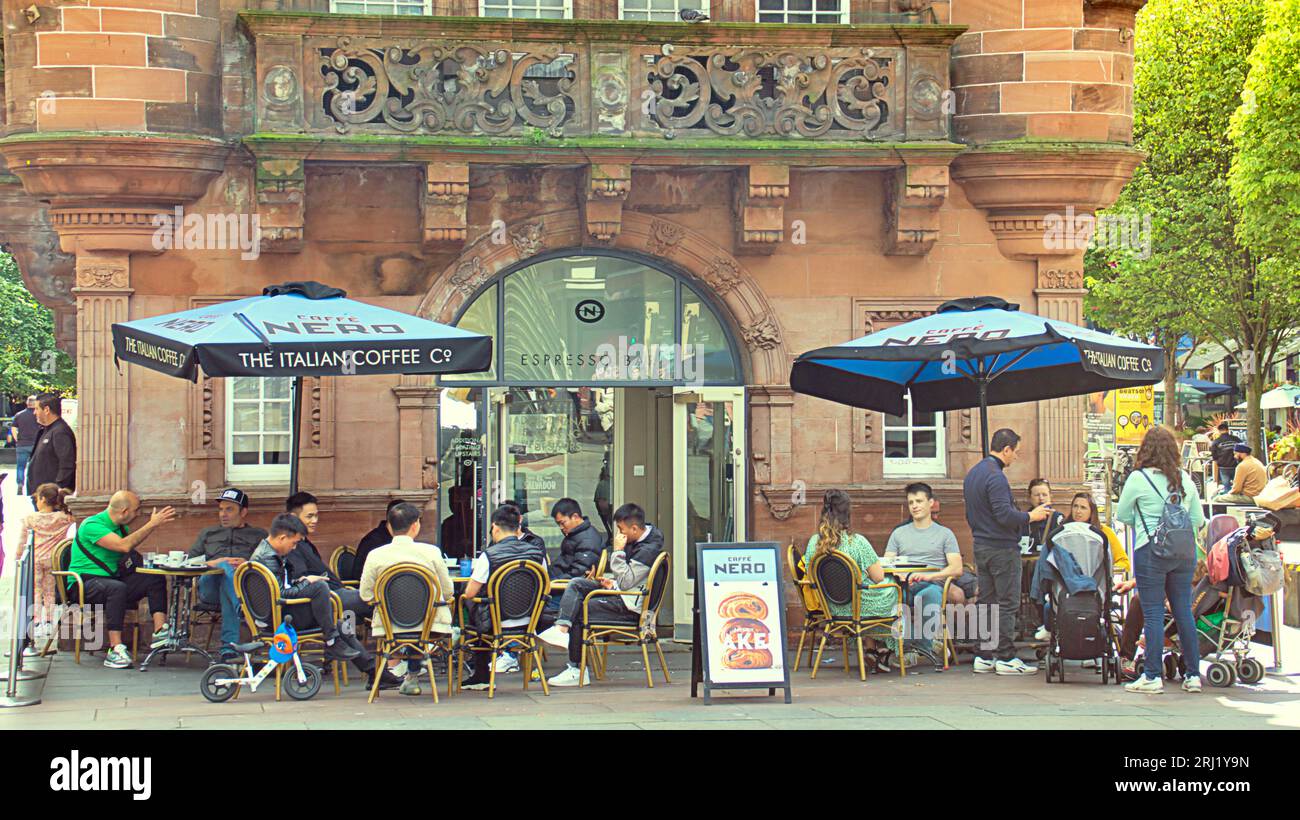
237	496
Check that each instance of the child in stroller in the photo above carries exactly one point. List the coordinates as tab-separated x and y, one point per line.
1073	578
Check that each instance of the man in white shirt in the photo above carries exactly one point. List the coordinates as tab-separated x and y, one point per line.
404	522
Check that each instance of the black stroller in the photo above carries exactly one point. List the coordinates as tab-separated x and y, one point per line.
1074	575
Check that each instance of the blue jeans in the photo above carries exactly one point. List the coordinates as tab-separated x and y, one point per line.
928	596
1155	583
24	456
220	589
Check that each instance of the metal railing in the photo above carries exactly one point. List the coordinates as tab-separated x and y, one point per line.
21	618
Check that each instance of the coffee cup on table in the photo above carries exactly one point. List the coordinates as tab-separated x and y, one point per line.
176	556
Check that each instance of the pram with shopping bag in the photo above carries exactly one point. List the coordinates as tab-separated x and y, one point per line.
1074	577
1242	567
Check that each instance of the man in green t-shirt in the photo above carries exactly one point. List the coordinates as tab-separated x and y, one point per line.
102	540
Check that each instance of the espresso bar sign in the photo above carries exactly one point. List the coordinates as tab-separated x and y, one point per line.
1121	364
741	615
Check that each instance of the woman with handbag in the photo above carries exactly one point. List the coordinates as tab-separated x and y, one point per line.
1162	574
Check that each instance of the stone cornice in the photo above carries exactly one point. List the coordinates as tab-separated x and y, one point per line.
580	31
85	169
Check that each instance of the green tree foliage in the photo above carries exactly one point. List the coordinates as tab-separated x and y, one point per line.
29	361
1199	279
1266	167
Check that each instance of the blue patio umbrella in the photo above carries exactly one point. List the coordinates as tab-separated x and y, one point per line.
298	329
974	352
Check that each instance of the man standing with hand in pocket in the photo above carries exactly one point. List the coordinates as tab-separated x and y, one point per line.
996	524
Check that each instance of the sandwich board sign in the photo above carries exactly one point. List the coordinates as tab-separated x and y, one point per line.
739	633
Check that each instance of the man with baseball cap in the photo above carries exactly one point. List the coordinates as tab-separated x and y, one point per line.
225	546
1248	481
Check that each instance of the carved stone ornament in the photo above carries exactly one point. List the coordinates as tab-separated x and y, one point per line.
877	319
469	276
446	87
763	333
838	93
280	87
1060	280
722	275
529	239
102	276
664	236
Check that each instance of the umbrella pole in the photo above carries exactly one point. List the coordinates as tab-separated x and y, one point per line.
984	414
294	434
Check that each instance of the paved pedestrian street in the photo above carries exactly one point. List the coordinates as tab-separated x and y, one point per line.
90	696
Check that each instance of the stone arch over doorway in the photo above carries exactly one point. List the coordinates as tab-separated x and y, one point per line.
744	306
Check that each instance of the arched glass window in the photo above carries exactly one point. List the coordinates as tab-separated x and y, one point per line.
599	319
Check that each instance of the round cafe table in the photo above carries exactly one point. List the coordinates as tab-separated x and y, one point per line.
180	582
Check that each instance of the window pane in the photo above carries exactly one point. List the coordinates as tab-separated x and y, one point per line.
245	387
278	388
925	444
895	444
275	449
920	419
275	417
244	450
245	418
705	353
481	317
895	421
588	319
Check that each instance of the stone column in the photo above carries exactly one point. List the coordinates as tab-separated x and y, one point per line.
103	295
417	432
1062	444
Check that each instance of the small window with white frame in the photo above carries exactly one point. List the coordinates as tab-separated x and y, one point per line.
405	7
803	11
914	444
258	435
527	9
658	11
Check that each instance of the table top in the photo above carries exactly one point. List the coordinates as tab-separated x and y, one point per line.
180	571
556	586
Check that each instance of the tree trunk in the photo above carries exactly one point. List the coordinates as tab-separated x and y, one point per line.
1171	387
1254	390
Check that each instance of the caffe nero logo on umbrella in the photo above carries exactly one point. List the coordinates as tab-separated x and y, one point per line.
947	335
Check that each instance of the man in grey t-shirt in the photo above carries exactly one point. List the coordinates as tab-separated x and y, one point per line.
922	541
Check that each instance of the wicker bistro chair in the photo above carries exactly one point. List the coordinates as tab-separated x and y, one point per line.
838	582
599	636
407	597
813	616
515	590
71	595
263	608
341	564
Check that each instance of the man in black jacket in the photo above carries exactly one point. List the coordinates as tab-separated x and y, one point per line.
305	560
580	550
1224	458
54	458
380	536
996	524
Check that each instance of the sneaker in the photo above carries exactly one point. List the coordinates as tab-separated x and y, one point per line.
1128	669
1192	684
388	680
1090	663
340	651
410	685
1042	634
161	638
569	677
31	652
1015	666
230	656
1146	686
474	685
507	663
983	665
399	670
911	658
536	674
118	658
555	637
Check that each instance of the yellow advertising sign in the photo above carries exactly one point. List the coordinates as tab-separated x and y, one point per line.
1135	409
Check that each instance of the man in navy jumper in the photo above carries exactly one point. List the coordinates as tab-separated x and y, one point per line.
996	524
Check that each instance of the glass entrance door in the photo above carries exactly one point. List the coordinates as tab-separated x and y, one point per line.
708	480
552	443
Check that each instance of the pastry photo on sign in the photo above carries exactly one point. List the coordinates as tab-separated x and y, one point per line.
745	639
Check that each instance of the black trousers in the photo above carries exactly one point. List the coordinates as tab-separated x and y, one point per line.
1000	579
602	609
116	595
319	612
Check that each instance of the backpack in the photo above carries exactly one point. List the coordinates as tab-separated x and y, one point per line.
1174	539
1078	626
1218	561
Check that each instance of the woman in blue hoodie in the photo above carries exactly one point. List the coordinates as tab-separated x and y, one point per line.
1155	477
